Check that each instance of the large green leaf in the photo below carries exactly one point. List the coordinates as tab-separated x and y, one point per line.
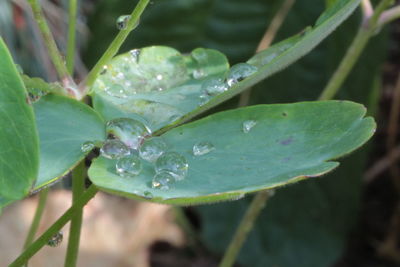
157	83
64	125
19	149
290	142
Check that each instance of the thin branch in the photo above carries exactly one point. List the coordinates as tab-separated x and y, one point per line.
389	16
367	8
382	165
46	236
71	36
112	50
267	39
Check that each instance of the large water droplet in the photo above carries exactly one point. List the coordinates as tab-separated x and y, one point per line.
202	148
116	90
214	86
129	166
87	146
204	98
152	149
131	132
248	125
174	163
114	149
162	180
55	240
240	72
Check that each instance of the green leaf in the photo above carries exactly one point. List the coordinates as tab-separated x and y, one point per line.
19	149
64	125
156	83
290	142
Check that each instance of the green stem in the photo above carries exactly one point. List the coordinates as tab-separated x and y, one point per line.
45	237
389	16
244	228
112	50
78	188
55	55
71	36
37	217
364	33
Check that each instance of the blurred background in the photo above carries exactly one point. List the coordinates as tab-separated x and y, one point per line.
350	217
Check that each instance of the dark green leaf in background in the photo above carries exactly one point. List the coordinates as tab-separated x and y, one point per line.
64	125
19	149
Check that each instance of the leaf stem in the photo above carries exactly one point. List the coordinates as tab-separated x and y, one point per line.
267	39
37	217
367	8
389	16
112	50
45	237
78	188
71	36
366	30
244	228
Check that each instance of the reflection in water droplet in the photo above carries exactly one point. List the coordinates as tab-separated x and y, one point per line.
87	146
240	72
174	163
129	166
114	149
55	240
116	90
122	22
214	86
202	148
162	180
198	74
131	132
152	149
135	53
248	125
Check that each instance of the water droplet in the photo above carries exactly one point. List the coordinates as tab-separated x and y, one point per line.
87	146
148	194
104	70
248	125
202	148
135	53
162	180
34	94
131	132
122	22
116	90
174	163
204	98
152	149
198	74
240	72
114	149
129	166
159	77
214	86
55	240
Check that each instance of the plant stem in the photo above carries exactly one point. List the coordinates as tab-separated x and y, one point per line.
267	39
37	217
45	237
244	228
71	36
366	8
364	33
78	188
389	15
112	50
55	55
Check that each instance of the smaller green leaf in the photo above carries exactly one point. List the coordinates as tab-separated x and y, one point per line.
156	83
283	144
19	147
64	125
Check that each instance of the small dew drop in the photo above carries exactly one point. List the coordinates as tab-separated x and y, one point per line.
202	148
104	70
135	53
162	180
248	125
159	77
152	149
240	72
131	132
122	22
116	90
114	149
55	240
214	86
204	98
87	146
198	74
174	163
129	166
